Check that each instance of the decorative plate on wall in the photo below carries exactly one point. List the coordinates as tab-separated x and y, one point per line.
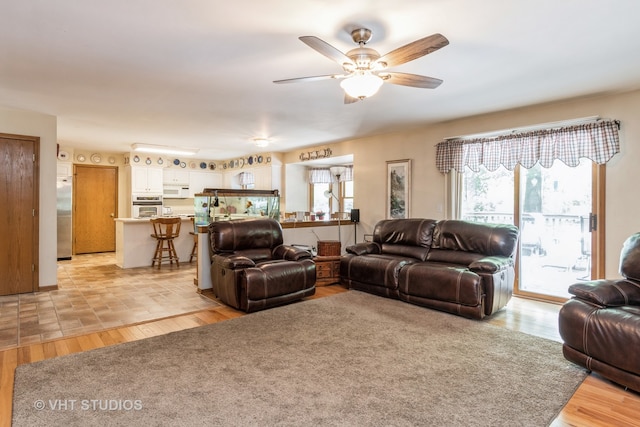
259	159
250	160
96	158
63	155
136	158
176	162
203	165
148	161
183	165
160	161
212	166
81	158
111	160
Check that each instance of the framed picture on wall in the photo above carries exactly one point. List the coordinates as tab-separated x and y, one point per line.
398	197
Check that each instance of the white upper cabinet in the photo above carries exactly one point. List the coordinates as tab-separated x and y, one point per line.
146	180
175	177
198	181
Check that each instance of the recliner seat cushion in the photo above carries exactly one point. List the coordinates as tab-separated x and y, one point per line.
377	269
610	335
441	282
276	278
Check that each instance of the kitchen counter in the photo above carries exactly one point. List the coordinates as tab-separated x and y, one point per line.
135	246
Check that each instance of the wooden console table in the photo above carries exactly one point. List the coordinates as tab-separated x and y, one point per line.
327	270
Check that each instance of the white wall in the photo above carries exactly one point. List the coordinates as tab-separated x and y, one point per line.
295	196
44	126
622	201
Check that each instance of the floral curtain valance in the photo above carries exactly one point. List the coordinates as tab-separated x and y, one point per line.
598	141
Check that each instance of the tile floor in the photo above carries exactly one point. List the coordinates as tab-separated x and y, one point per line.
94	294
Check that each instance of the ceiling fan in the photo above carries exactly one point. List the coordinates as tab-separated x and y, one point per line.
365	69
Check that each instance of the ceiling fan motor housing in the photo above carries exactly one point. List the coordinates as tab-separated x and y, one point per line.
363	58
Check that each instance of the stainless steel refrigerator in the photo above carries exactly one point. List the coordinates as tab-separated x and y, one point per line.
64	186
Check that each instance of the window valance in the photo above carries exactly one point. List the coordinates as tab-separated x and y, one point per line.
347	175
324	175
246	178
598	141
320	176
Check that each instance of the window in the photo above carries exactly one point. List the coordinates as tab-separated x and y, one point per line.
319	202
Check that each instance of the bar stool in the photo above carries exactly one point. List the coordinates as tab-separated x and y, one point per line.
194	251
164	231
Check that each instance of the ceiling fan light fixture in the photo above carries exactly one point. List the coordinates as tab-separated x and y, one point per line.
361	85
261	142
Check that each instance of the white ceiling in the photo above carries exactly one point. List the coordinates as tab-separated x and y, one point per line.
198	73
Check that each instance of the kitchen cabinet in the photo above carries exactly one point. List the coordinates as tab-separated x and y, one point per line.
175	177
146	180
198	181
266	177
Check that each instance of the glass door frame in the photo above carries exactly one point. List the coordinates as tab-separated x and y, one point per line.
598	175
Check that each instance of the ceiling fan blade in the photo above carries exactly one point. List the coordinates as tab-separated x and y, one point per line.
326	49
311	78
413	80
414	50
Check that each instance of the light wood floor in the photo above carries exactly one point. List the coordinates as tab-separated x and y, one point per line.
597	402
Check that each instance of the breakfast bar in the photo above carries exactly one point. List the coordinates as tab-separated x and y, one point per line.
135	246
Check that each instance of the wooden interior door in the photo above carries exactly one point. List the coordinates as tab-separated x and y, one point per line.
19	215
95	201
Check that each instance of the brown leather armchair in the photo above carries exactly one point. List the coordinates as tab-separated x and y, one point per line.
252	270
600	325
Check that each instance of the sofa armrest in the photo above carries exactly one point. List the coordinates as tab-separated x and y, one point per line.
234	262
290	253
490	264
607	293
364	248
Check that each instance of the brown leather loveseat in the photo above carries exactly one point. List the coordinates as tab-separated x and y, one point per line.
252	270
455	266
600	325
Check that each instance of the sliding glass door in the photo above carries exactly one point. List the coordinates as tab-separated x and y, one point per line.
555	211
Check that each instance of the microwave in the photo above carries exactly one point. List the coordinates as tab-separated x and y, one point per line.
175	192
146	205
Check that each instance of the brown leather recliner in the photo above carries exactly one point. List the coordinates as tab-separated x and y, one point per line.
252	270
600	325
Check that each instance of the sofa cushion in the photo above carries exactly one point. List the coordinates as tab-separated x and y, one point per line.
405	237
486	239
441	282
377	269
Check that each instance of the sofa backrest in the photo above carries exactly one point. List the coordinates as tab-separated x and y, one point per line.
405	237
630	258
254	238
479	238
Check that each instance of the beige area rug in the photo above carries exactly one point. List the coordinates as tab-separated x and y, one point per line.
352	359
